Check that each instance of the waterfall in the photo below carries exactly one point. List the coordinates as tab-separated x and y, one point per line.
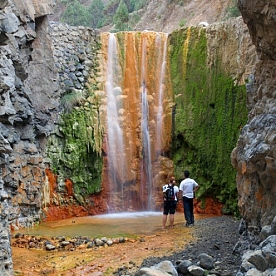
146	150
138	107
146	146
115	140
161	77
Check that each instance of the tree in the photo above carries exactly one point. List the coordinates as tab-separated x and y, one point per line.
134	5
120	18
96	11
109	11
76	15
139	4
130	5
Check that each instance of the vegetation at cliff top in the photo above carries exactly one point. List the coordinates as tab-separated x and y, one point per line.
100	13
121	15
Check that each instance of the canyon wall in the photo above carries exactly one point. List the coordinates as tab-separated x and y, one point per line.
254	156
74	149
28	106
53	144
209	69
203	109
53	116
66	133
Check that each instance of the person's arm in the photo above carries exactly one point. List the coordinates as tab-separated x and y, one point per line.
180	194
196	188
176	194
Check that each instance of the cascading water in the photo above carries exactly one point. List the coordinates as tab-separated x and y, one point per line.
161	84
146	150
147	165
136	85
115	140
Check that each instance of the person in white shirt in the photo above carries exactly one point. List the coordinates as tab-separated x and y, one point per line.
170	193
187	189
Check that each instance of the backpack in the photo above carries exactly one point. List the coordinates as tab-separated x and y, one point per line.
169	193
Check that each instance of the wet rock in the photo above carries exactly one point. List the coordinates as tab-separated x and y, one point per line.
122	239
109	242
50	247
99	242
104	239
64	243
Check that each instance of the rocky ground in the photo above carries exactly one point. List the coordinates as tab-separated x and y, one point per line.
215	236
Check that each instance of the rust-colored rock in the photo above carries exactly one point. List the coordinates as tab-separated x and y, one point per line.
134	173
64	212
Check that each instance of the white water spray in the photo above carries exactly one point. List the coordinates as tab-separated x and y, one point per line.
161	85
147	160
115	141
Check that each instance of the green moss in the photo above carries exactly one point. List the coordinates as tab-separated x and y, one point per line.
73	153
75	148
210	110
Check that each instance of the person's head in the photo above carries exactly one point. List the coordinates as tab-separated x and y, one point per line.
172	180
186	174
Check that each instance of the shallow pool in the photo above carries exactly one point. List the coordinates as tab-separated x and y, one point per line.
110	225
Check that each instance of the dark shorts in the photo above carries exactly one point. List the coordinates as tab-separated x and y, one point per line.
169	207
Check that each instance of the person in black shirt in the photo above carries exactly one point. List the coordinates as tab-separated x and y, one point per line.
170	193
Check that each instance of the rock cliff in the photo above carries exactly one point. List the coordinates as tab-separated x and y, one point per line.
254	156
209	89
27	110
205	55
167	16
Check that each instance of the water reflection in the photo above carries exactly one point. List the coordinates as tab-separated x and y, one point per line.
110	225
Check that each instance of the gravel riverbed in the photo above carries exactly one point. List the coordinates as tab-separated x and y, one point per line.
214	236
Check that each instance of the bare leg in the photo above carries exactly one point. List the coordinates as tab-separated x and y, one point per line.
164	221
171	220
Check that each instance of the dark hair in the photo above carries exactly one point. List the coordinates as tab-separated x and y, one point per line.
186	173
172	179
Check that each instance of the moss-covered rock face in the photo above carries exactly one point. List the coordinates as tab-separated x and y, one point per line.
210	109
75	154
75	148
204	108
